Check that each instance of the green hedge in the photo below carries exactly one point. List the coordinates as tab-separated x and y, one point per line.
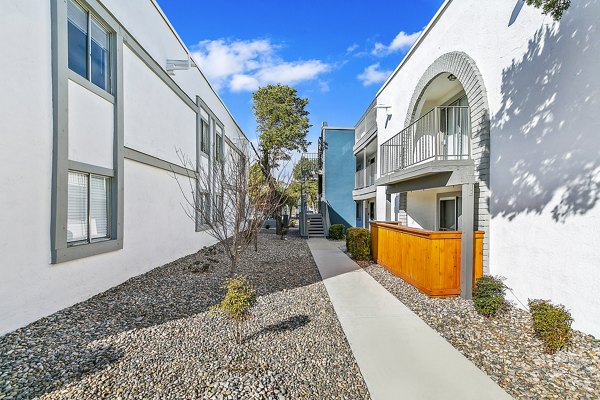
488	295
551	323
336	231
358	243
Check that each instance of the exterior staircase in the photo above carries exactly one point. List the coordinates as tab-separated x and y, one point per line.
315	225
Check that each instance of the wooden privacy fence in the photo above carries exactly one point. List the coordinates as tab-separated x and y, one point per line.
428	260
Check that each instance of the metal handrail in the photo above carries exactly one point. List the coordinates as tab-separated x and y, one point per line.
443	133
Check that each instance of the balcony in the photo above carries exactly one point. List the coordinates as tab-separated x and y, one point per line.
365	177
367	123
443	134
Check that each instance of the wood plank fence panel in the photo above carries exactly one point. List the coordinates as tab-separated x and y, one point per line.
428	260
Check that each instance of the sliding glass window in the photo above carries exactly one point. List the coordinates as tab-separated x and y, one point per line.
88	212
89	46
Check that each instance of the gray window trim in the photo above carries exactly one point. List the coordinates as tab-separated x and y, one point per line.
90	169
440	196
60	251
138	156
90	86
199	120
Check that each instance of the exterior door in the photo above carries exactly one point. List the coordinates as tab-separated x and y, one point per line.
450	213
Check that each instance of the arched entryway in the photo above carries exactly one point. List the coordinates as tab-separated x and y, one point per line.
454	80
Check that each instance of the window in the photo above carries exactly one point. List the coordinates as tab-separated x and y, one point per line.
88	46
203	208
450	213
219	203
371	211
88	208
204	136
219	147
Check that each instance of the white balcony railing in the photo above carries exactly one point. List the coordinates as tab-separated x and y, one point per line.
367	123
365	177
444	133
359	179
371	172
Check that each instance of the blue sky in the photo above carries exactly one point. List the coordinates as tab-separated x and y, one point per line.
335	53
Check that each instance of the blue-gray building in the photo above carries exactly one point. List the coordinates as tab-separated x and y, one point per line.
337	182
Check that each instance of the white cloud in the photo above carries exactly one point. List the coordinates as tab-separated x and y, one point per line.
402	41
352	49
244	65
372	75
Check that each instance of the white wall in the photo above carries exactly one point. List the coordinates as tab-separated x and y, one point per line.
421	207
543	94
91	127
156	230
157	121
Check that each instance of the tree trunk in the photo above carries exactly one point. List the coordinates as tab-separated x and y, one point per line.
278	224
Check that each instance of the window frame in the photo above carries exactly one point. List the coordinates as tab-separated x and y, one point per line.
446	196
86	81
204	136
202	209
62	75
109	211
219	145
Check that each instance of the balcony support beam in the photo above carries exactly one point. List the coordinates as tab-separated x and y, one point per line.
466	249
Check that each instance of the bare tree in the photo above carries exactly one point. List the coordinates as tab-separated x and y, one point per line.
217	198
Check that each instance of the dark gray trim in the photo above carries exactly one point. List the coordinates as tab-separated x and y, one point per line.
90	86
60	146
92	169
156	162
118	185
86	250
60	251
439	196
466	246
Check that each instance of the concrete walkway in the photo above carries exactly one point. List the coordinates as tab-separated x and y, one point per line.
399	355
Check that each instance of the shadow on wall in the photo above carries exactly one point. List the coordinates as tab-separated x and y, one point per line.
336	218
547	131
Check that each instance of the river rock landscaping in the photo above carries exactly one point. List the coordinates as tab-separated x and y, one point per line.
505	347
155	337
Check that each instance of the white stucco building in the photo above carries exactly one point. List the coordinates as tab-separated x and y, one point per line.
97	97
491	122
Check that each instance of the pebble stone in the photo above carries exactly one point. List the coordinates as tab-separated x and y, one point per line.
154	337
505	347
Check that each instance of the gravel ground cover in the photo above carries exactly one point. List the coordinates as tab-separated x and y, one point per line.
505	347
154	337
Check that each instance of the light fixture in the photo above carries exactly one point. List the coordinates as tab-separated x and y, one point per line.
388	109
177	65
451	78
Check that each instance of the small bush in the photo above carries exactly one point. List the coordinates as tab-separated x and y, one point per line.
336	231
358	243
551	323
488	295
237	303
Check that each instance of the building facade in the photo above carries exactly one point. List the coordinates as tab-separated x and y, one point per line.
490	123
103	113
337	179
